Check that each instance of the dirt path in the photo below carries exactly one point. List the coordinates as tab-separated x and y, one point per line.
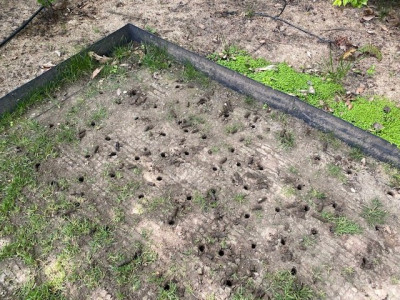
206	27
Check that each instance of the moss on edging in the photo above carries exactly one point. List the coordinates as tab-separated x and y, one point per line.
378	116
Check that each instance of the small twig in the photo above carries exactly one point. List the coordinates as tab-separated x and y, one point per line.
339	29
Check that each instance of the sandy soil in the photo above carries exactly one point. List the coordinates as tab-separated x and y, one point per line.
205	27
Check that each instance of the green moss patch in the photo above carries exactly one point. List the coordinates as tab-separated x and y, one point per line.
378	116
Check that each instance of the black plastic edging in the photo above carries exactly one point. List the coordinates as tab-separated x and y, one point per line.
354	136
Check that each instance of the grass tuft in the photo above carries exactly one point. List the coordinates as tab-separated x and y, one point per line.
155	58
342	225
374	214
285	286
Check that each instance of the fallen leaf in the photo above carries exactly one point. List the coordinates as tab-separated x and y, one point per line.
101	59
267	68
96	72
368	12
348	53
48	65
360	89
368	18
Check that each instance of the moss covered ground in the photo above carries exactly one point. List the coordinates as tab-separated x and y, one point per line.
377	115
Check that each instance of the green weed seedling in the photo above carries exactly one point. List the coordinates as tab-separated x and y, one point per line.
286	139
336	172
240	198
234	128
155	58
168	292
190	74
342	225
284	285
374	214
354	3
46	291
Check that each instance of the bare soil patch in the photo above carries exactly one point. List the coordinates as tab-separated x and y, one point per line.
170	189
206	27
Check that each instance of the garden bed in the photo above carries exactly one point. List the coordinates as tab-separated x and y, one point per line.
151	181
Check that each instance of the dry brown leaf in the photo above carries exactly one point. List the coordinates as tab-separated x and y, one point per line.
368	18
348	53
368	12
101	59
96	72
360	89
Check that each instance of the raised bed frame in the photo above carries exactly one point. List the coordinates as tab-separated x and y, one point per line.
354	136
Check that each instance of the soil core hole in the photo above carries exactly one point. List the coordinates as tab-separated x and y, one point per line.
293	271
390	193
349	172
247	216
137	158
238	164
163	134
261	168
159	178
107	138
306	208
314	231
166	287
283	241
317	158
202	248
171	222
204	137
112	174
112	154
299	187
215	168
186	153
189	198
334	205
163	154
221	252
141	196
277	209
253	246
93	123
81	179
231	150
246	187
228	283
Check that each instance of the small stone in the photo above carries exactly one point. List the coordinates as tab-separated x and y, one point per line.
261	200
200	271
311	90
352	190
223	160
378	126
262	42
386	109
